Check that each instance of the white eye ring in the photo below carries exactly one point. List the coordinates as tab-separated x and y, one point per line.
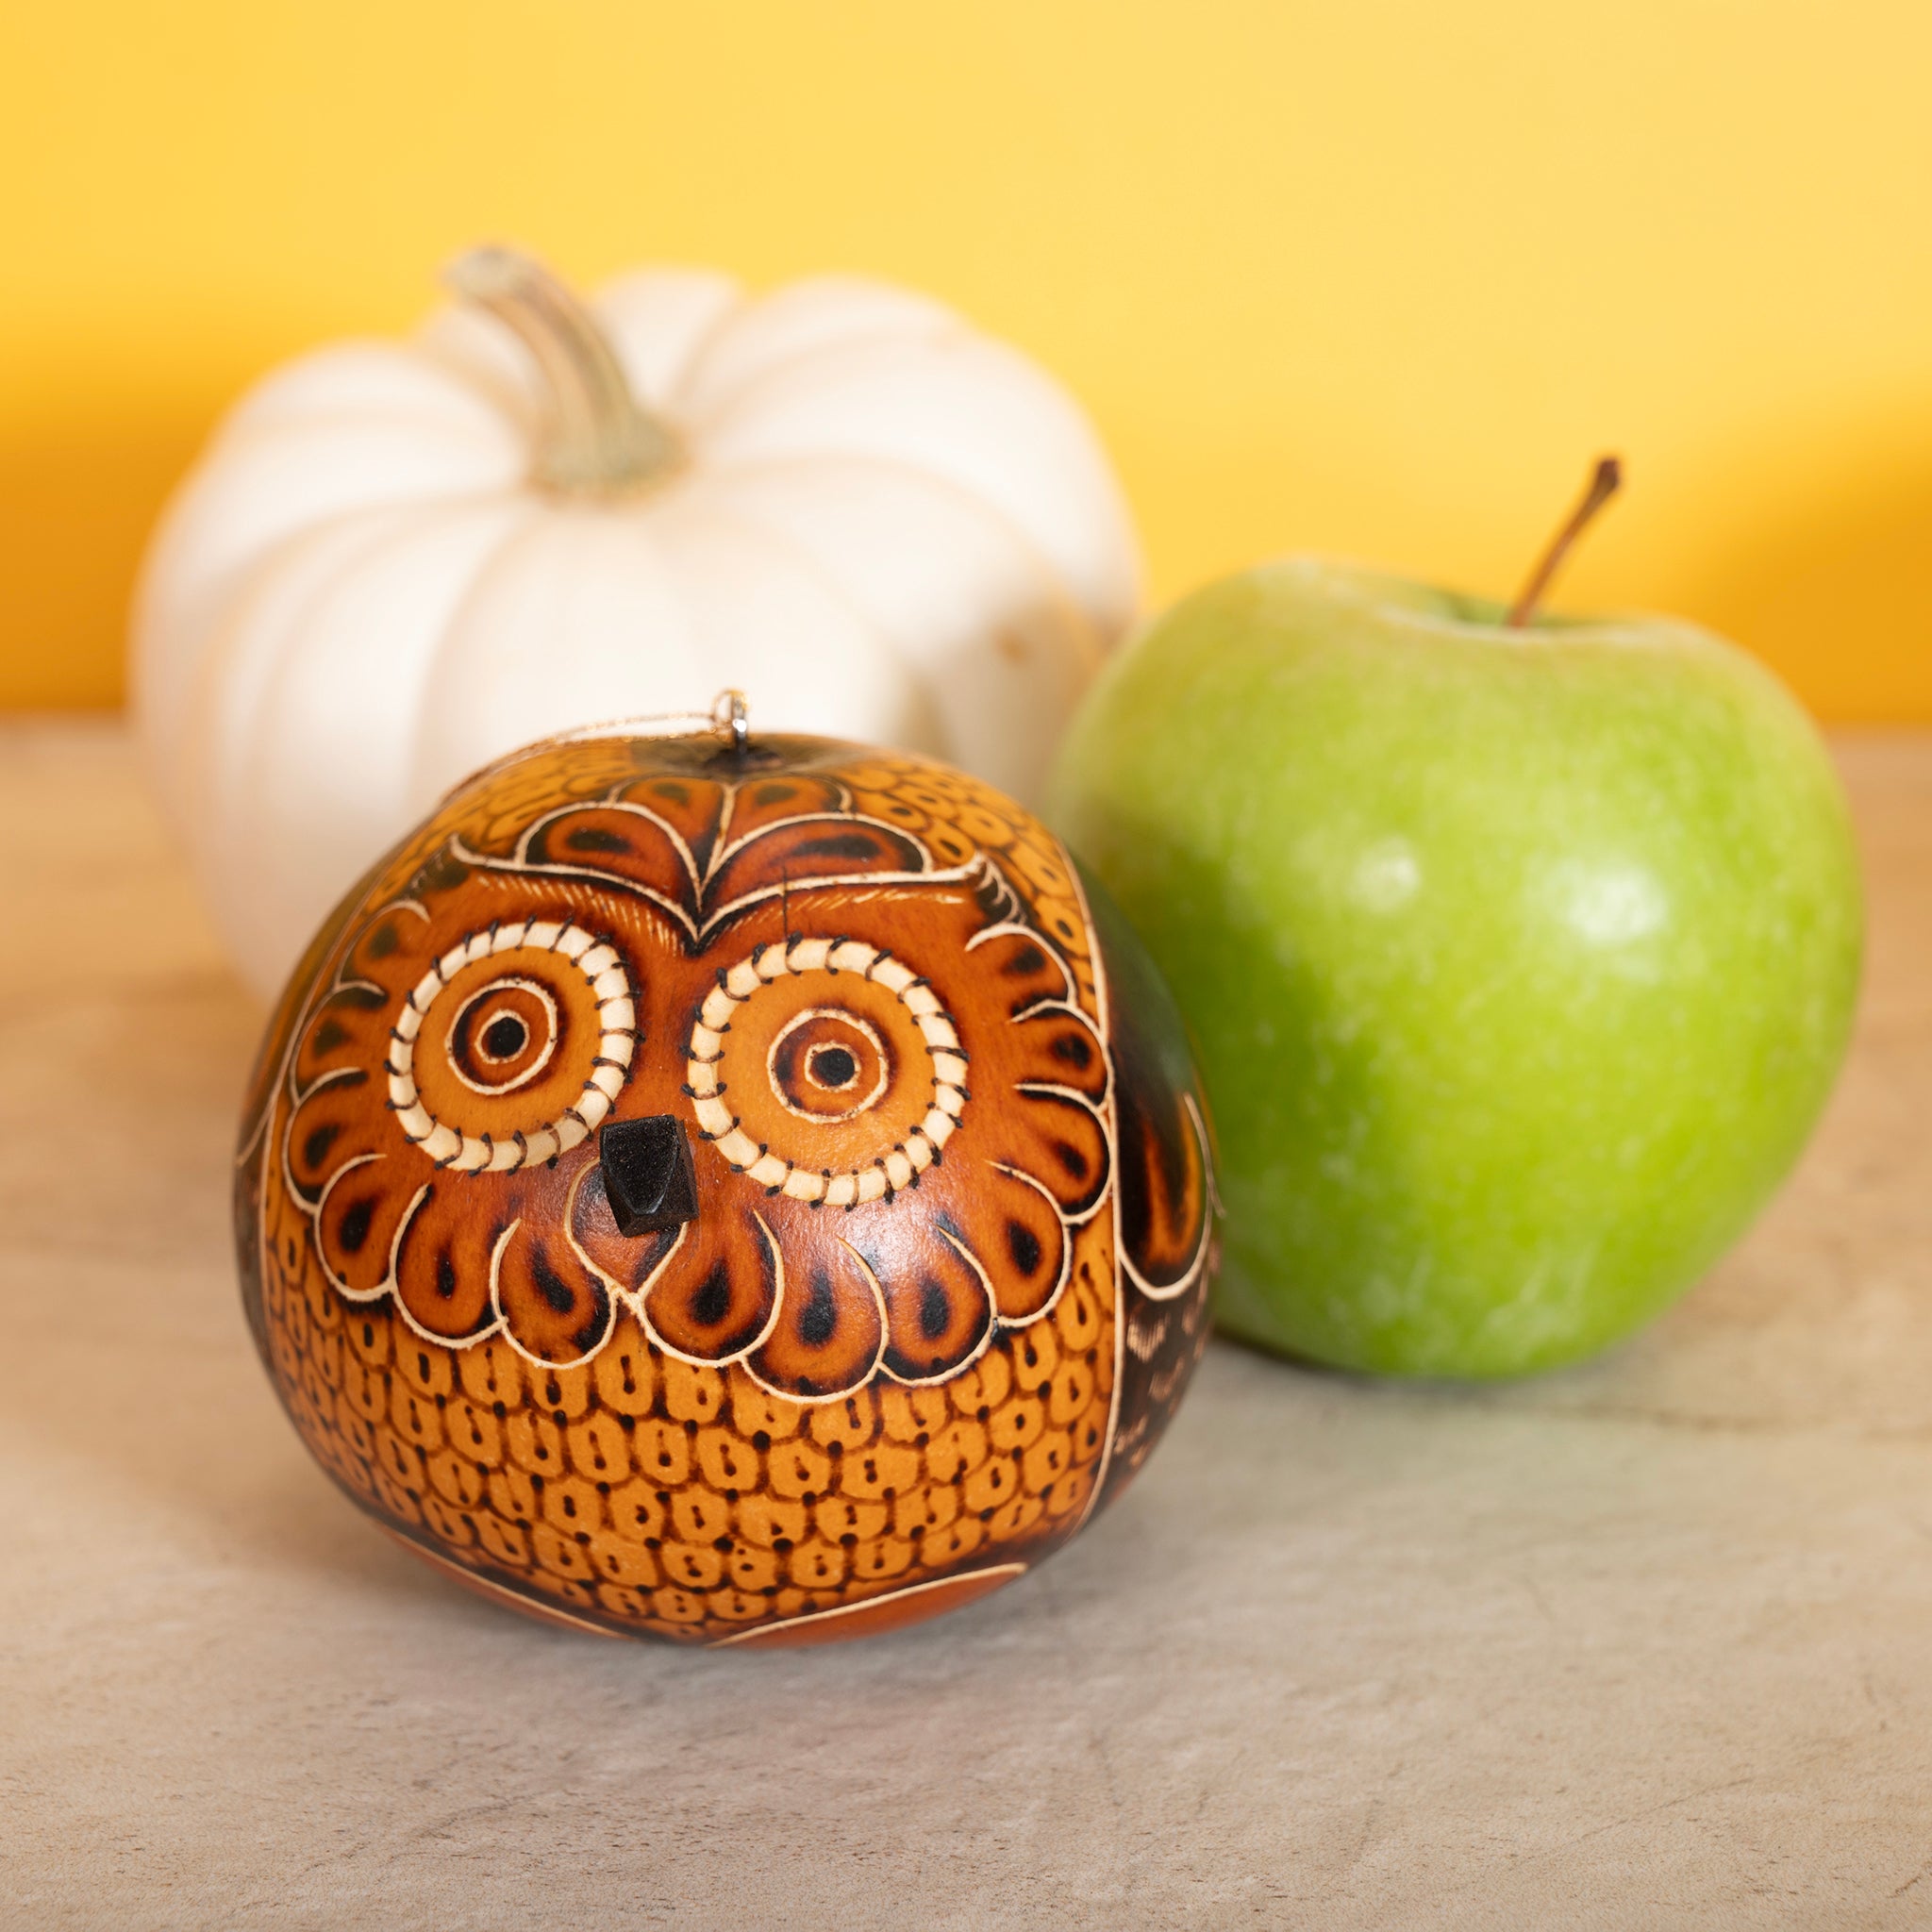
617	1022
882	1177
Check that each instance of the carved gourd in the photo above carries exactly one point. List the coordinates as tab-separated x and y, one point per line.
737	1192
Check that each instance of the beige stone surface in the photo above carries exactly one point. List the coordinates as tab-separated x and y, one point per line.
1648	1643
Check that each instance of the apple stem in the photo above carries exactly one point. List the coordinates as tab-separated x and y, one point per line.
1604	482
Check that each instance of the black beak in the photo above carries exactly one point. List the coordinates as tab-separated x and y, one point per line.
647	1173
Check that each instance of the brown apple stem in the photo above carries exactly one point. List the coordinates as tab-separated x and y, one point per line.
1604	482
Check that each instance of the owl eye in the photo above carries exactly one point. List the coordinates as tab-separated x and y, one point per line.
832	1068
512	1048
829	1065
864	1079
503	1036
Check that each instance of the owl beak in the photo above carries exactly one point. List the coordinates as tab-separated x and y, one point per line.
648	1176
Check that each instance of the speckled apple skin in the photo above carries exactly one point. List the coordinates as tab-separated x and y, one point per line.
1520	963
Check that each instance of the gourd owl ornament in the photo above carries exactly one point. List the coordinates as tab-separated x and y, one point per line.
728	1189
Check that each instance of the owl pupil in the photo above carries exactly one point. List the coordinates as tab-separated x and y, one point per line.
834	1066
504	1036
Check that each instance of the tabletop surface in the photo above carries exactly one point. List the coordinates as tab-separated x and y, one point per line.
1648	1643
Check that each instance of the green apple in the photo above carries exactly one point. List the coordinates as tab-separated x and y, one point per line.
1520	960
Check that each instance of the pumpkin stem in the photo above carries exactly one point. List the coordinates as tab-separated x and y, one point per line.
599	441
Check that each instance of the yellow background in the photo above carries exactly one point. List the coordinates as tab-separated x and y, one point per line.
1374	277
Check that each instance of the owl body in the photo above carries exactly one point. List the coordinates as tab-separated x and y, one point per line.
954	1227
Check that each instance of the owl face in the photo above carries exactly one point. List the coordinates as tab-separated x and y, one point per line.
872	1002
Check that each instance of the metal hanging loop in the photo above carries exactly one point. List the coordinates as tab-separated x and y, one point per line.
732	719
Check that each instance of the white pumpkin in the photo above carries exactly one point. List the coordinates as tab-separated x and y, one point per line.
394	562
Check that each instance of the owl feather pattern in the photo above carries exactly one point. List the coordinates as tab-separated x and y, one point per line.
955	1230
